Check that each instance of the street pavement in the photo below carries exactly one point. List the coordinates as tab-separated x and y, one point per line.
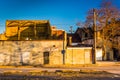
110	69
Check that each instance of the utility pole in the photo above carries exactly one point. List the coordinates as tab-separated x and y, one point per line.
63	51
94	29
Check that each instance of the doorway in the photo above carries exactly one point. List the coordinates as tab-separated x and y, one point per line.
115	54
46	57
108	56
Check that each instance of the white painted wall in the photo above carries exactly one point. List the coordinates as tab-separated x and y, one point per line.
99	54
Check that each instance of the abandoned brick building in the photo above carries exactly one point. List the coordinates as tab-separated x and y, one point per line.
36	42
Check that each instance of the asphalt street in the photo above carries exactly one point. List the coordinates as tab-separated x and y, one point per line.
110	69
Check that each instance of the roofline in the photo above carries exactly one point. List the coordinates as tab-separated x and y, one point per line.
58	29
27	20
79	47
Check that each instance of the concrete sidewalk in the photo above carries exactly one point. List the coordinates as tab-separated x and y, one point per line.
112	67
108	63
98	64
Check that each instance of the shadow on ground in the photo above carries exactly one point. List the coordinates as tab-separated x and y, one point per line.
59	75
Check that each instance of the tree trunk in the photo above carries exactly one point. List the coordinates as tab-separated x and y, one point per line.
104	52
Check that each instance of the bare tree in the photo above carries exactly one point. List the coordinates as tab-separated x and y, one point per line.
107	22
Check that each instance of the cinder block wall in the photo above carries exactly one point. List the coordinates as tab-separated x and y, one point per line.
30	52
78	55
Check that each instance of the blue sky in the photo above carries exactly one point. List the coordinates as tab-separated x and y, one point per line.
60	13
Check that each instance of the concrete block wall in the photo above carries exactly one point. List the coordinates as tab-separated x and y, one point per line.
77	55
30	52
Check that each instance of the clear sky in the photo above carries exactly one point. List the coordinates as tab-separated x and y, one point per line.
60	13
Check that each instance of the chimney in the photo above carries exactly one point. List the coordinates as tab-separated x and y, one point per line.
69	41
